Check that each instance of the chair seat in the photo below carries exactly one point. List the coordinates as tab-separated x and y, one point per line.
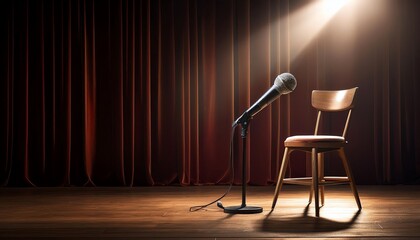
319	141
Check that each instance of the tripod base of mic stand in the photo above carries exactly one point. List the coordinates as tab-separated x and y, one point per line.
243	210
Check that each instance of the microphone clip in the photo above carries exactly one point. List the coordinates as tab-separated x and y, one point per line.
243	120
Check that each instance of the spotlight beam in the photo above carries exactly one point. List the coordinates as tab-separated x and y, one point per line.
307	22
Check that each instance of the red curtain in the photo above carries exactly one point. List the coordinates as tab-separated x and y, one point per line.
128	93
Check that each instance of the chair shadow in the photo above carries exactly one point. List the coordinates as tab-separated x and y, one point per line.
305	223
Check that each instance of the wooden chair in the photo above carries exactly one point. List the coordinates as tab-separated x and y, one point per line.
317	145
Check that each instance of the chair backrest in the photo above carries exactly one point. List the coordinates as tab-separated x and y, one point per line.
333	101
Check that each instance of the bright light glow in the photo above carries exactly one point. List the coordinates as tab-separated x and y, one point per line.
340	96
308	21
331	7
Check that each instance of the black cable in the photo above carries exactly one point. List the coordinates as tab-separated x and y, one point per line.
219	204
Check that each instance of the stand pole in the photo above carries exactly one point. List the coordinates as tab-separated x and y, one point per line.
243	208
244	163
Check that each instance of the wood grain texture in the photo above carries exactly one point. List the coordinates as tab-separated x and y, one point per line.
333	100
390	212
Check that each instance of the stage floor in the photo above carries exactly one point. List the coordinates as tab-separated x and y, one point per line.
389	212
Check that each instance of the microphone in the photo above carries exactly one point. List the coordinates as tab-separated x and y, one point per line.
284	84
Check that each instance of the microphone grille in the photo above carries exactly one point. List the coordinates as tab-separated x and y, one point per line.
285	83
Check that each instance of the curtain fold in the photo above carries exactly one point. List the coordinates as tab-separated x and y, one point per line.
134	93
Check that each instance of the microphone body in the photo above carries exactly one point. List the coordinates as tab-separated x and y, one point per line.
284	84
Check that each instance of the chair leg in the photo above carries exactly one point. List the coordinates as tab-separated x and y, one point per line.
315	180
311	193
282	173
321	176
350	176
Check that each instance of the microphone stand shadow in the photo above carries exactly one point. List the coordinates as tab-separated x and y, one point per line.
305	223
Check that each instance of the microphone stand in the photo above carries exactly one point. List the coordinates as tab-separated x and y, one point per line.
243	208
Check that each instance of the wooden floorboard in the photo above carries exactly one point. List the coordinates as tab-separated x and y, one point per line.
389	212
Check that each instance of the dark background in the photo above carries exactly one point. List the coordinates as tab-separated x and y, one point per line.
130	93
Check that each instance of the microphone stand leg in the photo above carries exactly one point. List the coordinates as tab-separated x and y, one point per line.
243	208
